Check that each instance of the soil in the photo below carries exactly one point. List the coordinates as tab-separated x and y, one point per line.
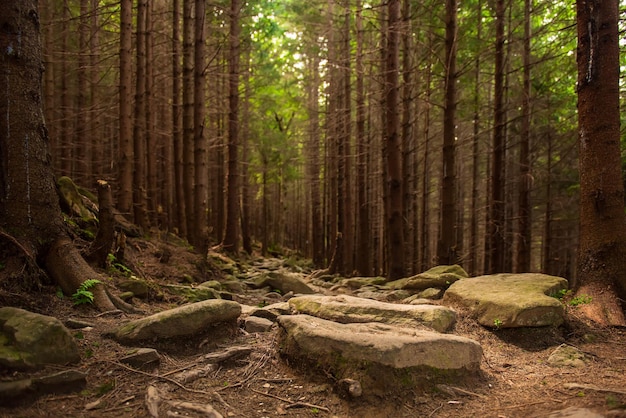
514	381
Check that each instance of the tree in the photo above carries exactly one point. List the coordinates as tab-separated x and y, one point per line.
231	240
200	162
30	215
395	225
602	247
125	164
447	249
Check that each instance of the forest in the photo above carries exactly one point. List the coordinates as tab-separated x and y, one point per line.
268	123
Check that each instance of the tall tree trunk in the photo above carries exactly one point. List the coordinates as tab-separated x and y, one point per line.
601	261
125	160
200	161
177	133
81	156
364	247
448	248
188	126
393	146
313	159
497	215
524	220
246	209
139	131
346	155
29	206
231	237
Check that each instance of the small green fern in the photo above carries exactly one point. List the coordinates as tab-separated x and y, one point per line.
83	295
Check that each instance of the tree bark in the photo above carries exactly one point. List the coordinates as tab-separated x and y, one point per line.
101	246
395	227
125	163
29	205
602	245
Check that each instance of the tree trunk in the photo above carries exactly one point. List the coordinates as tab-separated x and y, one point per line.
200	161
29	205
125	163
448	248
231	236
601	261
139	128
188	128
497	226
179	214
395	225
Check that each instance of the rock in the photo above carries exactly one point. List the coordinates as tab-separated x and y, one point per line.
185	320
566	355
272	311
440	277
510	300
351	387
430	293
12	392
573	412
256	324
285	282
193	294
357	282
213	284
142	358
381	357
350	309
30	340
140	288
73	323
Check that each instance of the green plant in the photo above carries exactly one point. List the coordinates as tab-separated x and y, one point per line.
561	294
497	323
580	300
59	293
83	295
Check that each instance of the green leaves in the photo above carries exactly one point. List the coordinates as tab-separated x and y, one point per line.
83	295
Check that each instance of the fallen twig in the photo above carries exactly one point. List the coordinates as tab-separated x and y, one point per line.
156	376
291	404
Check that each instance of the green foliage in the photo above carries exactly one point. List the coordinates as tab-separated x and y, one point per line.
580	300
497	323
83	295
59	293
561	294
564	296
114	263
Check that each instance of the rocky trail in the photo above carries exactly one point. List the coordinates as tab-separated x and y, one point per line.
271	338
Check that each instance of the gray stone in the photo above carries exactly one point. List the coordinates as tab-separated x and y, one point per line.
380	356
142	358
566	355
185	320
440	277
73	323
256	324
140	288
193	294
430	293
357	282
30	340
61	382
285	282
350	309
510	300
272	311
212	284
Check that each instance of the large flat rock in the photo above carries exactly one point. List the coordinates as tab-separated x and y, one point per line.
186	320
350	309
378	355
510	300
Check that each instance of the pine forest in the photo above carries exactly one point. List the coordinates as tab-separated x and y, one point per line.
376	138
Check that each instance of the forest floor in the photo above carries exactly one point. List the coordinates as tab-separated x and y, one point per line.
515	379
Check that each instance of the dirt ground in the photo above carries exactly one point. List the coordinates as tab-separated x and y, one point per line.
515	380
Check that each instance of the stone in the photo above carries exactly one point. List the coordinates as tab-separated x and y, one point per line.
30	340
256	324
272	311
142	358
357	282
185	320
566	355
284	282
510	300
213	284
440	277
193	294
351	309
379	356
73	323
12	392
430	293
140	288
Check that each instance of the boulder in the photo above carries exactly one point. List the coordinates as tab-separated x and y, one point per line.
284	282
30	340
440	277
357	282
567	355
510	300
186	320
256	324
351	309
381	357
66	381
193	294
139	287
